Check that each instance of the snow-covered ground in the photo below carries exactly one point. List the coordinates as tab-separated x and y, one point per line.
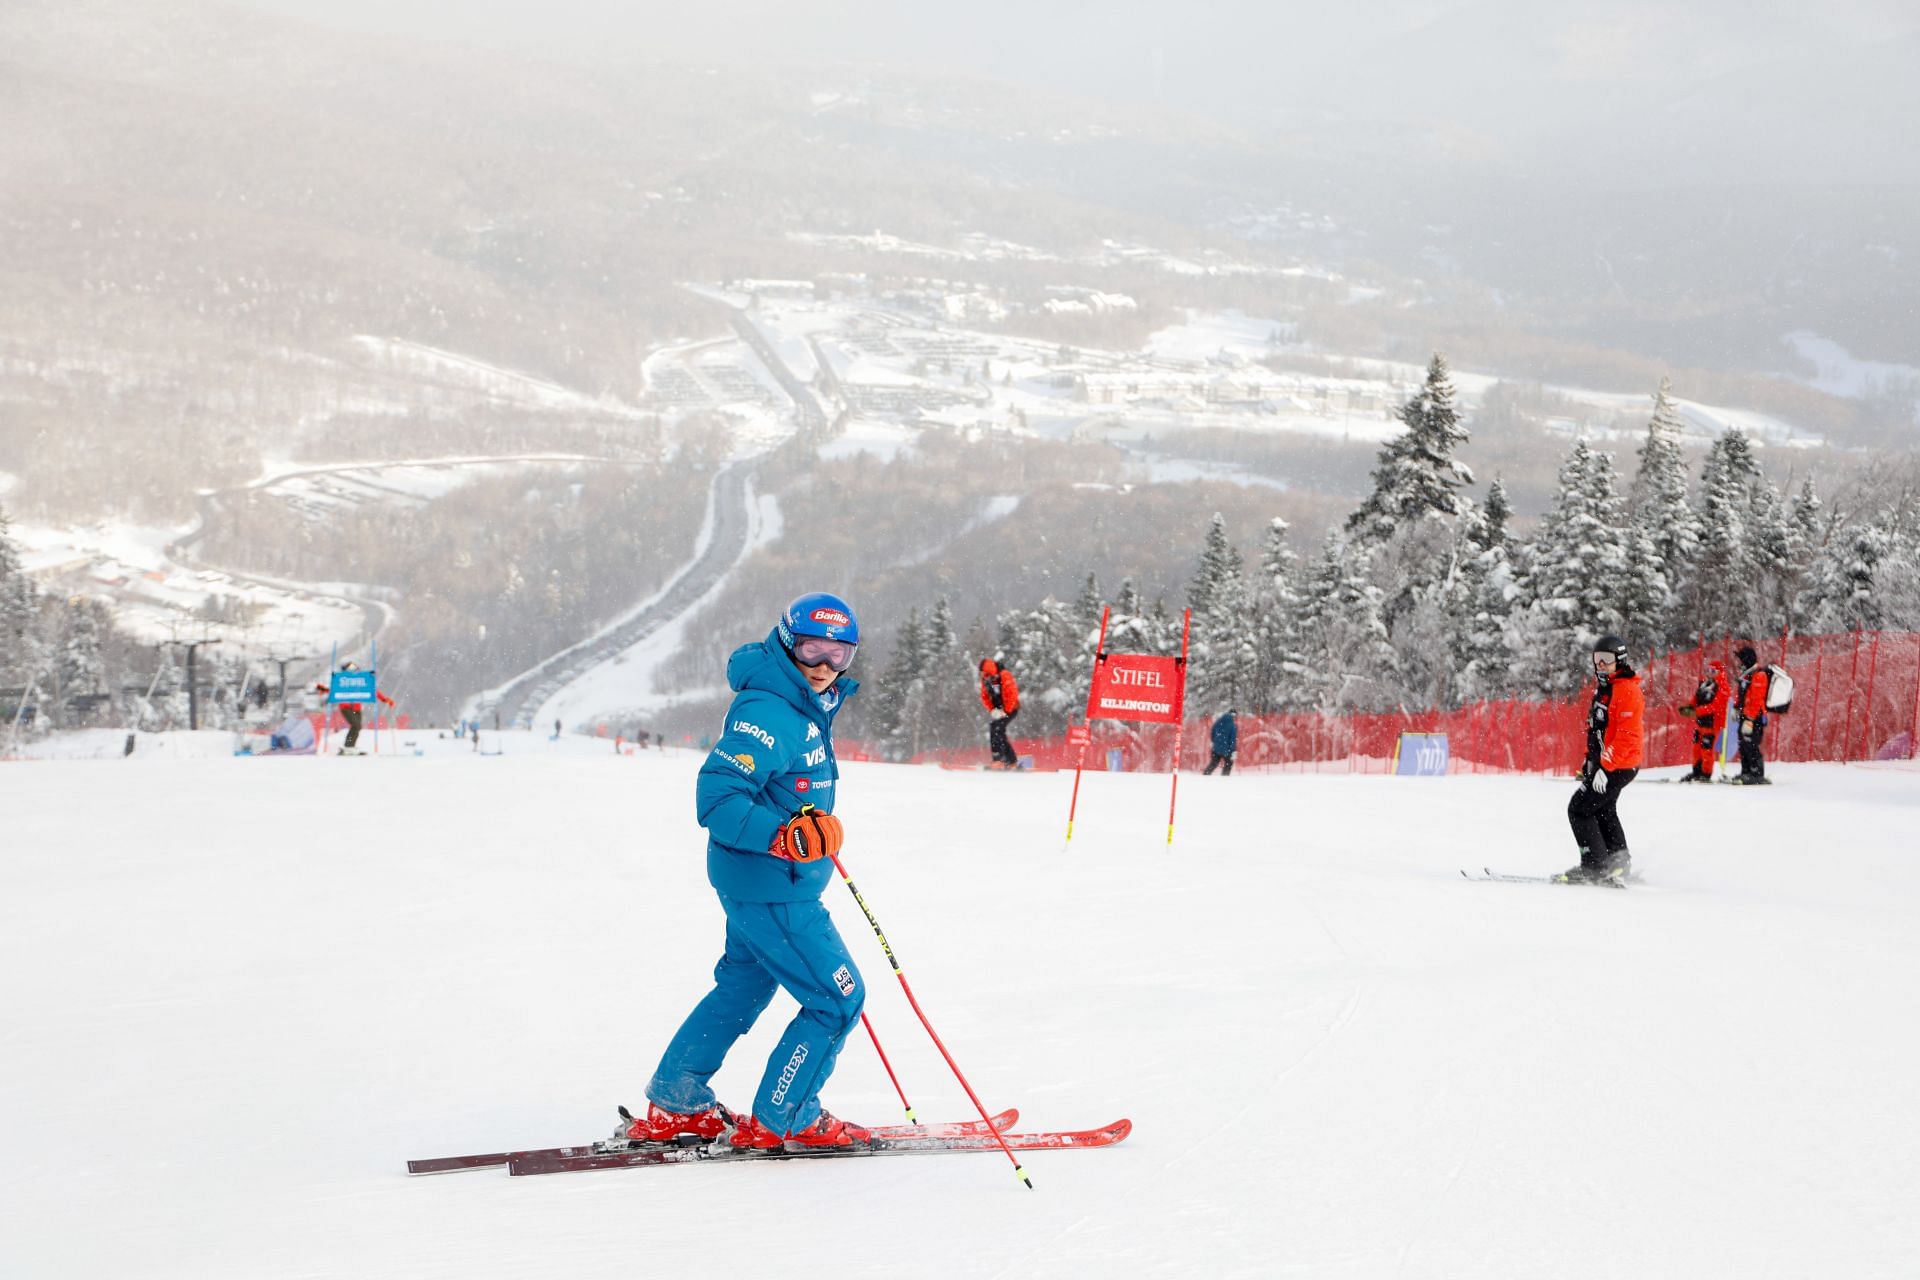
1839	372
425	364
238	994
157	598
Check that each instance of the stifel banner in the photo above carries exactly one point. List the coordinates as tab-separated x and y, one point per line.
1136	686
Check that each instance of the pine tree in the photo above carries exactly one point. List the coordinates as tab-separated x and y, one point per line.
1715	599
1842	587
904	671
1646	599
82	666
1658	508
1280	663
1090	606
1410	528
1131	628
1483	645
1042	647
1344	641
1417	473
1808	535
1769	565
1576	565
944	697
1491	530
20	647
1223	655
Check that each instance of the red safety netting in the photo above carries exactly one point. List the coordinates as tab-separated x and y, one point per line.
1856	697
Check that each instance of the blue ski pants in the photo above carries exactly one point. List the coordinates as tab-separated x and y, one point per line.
769	945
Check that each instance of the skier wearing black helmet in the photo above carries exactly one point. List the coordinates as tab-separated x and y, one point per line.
1615	748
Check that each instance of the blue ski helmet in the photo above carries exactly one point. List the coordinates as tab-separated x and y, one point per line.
819	613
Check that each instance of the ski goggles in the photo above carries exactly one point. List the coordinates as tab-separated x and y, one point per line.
811	651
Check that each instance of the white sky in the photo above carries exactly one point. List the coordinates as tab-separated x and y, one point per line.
1239	59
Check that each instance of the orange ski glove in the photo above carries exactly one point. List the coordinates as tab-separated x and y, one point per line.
808	836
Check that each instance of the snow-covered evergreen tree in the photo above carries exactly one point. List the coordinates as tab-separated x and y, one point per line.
1090	606
1841	592
1646	599
1131	628
905	669
1482	604
1715	601
1771	564
1350	665
949	675
925	696
1658	508
1042	647
1410	529
1223	658
83	668
1417	473
1280	667
1576	571
22	653
1491	529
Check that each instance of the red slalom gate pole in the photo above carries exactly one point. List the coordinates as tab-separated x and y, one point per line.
1179	722
867	911
867	1022
1099	653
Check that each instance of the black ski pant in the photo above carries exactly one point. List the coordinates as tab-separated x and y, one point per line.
1752	763
1596	827
1003	752
352	716
1219	757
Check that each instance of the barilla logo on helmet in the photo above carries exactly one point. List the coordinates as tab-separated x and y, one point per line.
819	613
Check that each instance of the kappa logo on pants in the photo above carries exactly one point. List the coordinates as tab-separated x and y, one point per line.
843	978
787	1074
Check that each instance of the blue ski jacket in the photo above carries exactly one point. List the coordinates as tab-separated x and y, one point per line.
774	755
1226	734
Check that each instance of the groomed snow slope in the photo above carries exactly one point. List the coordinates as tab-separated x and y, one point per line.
238	994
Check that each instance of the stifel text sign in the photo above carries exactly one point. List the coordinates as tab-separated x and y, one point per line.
1134	686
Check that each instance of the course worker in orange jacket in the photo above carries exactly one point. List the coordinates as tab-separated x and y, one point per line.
1616	744
1708	711
1000	695
1755	683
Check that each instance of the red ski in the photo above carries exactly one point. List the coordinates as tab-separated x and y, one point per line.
454	1164
721	1153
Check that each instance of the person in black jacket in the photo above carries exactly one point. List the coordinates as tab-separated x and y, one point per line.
1226	741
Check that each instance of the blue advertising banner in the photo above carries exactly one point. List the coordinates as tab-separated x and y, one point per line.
351	686
1420	755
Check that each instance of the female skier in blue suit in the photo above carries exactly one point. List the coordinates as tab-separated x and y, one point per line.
765	796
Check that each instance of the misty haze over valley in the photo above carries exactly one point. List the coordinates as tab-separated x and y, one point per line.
552	348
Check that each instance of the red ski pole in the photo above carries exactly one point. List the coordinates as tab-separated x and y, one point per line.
868	1024
867	911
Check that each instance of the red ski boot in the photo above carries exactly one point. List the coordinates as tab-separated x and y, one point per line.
667	1126
828	1131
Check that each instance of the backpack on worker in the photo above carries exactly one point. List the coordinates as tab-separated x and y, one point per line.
1779	689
